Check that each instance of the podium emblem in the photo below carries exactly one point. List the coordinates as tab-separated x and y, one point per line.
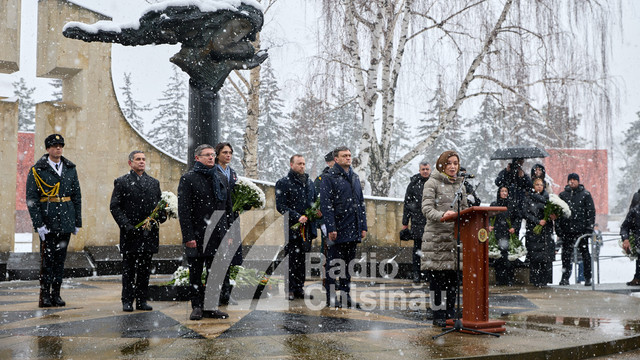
483	235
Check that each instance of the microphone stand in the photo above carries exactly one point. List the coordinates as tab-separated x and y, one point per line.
457	324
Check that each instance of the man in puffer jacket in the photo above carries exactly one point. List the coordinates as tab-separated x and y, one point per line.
343	210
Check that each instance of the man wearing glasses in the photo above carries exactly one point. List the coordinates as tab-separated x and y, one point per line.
197	201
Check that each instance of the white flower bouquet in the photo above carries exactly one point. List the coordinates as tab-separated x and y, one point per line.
516	248
169	203
247	195
556	206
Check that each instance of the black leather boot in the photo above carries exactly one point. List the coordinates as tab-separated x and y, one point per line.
44	300
56	300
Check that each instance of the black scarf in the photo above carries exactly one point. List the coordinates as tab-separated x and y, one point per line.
211	174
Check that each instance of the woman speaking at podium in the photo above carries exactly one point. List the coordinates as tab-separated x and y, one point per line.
438	242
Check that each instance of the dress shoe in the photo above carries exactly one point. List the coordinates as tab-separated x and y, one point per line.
587	282
352	304
333	303
634	282
196	314
215	314
128	307
564	282
143	306
291	296
300	295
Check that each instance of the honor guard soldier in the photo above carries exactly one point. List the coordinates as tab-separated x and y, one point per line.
54	202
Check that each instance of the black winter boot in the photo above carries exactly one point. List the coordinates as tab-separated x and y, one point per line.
44	300
56	300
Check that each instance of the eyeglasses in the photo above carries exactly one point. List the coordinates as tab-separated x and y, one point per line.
207	155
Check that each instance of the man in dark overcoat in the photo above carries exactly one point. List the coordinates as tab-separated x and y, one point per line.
344	214
412	212
54	201
583	217
198	198
228	177
135	196
295	193
328	159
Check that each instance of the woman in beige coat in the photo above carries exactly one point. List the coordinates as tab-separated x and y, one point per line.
438	241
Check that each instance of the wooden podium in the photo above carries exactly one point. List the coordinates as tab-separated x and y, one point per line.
475	267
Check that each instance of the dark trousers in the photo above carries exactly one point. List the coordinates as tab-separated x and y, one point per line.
443	281
196	265
504	270
297	267
539	272
567	255
415	264
53	253
136	269
637	274
339	256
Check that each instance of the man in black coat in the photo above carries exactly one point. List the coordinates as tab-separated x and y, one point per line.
135	196
54	201
328	159
412	212
344	214
583	217
199	196
631	227
295	193
518	182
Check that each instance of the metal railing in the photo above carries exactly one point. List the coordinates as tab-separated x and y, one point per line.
594	249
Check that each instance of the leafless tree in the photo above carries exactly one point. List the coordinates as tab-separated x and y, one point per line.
249	90
531	52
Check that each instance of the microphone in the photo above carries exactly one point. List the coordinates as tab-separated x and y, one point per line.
467	176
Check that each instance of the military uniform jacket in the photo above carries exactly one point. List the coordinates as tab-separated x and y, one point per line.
438	241
342	205
295	196
132	201
63	216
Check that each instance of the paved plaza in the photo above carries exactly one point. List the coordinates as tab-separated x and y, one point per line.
541	323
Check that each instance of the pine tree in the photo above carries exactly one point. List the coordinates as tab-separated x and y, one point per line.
26	105
488	135
233	116
310	128
560	127
401	143
56	84
169	130
132	109
344	124
273	152
451	139
631	170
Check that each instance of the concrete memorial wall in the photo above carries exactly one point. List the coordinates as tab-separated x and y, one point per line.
99	139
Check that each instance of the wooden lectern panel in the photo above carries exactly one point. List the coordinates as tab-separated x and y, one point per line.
475	266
